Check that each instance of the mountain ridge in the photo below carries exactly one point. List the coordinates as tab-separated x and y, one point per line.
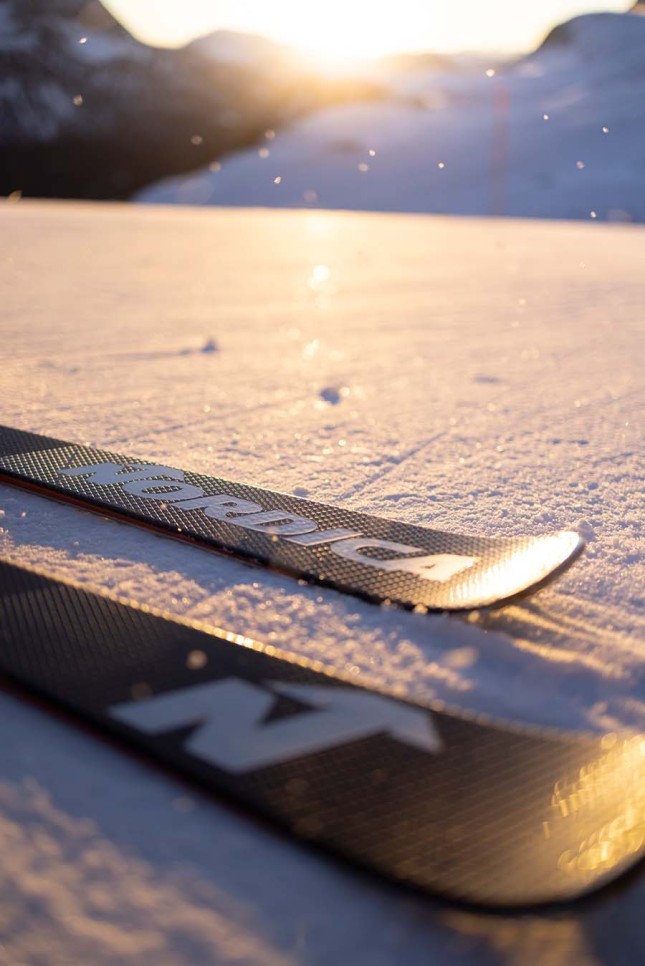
91	112
551	134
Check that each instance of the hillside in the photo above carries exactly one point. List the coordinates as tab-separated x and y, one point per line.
89	112
556	134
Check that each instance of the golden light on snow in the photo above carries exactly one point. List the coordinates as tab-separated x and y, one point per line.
321	273
319	279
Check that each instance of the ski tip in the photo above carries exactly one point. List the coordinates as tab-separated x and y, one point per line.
522	570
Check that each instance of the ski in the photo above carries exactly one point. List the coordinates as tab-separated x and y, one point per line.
368	556
446	802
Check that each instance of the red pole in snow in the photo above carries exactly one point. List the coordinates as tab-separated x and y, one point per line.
500	146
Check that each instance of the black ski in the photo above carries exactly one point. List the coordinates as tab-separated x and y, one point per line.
368	556
459	805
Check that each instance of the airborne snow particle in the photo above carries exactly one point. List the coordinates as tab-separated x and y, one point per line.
490	72
362	167
269	135
372	153
264	153
277	180
605	130
83	40
580	165
196	660
215	167
77	100
196	139
546	117
593	214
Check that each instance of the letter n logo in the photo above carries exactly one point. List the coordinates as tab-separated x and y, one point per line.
231	731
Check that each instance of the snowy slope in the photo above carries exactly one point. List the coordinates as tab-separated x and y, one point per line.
487	378
557	135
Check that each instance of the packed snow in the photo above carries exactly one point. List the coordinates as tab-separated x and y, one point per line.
469	375
557	134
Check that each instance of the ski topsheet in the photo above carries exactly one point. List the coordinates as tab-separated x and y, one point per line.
368	556
449	803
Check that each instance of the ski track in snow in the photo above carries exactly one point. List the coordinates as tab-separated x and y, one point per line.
489	384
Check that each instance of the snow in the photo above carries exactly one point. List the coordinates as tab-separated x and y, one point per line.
483	376
526	139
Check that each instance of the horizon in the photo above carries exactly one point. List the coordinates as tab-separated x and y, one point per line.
336	31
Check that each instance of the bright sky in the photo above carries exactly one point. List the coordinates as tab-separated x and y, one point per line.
360	28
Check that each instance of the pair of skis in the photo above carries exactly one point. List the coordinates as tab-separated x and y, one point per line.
440	800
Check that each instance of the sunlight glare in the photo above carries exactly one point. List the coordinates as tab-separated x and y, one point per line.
339	32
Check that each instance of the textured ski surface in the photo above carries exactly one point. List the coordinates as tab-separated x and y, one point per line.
371	557
458	805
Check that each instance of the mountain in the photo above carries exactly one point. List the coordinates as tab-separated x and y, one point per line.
88	111
553	134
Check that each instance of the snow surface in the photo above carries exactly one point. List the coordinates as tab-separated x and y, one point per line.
557	135
477	376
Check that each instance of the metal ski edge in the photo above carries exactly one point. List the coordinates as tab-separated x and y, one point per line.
406	586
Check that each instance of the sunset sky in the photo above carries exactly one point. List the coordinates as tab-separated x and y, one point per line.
360	28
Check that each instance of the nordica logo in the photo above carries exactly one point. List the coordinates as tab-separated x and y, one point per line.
167	485
234	729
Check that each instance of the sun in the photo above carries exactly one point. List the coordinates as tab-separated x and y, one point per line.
334	30
337	30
